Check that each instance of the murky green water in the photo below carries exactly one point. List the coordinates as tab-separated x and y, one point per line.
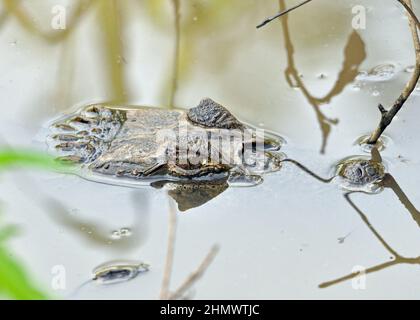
310	78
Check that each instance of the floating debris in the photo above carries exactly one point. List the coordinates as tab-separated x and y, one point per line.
114	272
342	239
118	271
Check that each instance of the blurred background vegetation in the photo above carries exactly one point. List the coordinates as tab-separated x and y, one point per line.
15	282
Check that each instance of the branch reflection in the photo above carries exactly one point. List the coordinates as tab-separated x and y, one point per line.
387	182
354	55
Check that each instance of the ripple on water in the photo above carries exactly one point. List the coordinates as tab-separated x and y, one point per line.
380	145
382	72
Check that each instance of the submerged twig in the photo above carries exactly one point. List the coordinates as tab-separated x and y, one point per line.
164	291
388	115
195	275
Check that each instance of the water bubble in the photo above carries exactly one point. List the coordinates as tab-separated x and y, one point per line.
376	93
362	74
116	235
125	232
121	233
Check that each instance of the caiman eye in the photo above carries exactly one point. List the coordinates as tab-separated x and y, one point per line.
371	171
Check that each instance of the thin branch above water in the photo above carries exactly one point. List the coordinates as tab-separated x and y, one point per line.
282	13
388	115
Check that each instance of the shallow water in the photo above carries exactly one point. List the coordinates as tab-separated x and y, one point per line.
281	239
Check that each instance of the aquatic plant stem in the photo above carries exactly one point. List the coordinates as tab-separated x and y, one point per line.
195	275
166	282
388	115
3	17
111	19
175	71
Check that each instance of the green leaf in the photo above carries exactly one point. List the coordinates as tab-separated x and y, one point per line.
14	283
26	158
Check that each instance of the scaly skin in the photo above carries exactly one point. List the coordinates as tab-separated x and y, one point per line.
123	142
